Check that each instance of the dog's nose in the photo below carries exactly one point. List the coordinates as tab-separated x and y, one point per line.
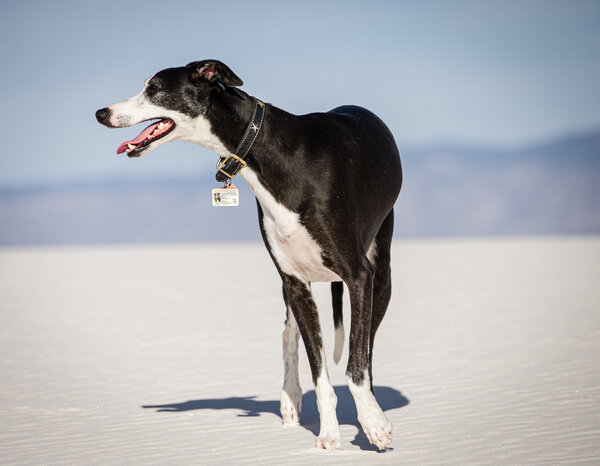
102	115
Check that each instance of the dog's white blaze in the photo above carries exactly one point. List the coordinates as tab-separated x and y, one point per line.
370	415
295	251
129	112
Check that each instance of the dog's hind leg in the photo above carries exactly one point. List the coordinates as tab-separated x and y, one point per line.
376	426
379	256
291	394
305	311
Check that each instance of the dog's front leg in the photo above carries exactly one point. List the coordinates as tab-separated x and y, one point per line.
305	312
291	395
376	426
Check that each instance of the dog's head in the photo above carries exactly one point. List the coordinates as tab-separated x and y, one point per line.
177	99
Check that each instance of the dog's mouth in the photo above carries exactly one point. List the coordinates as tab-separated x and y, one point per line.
152	133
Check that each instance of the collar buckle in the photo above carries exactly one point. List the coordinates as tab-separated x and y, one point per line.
228	167
234	166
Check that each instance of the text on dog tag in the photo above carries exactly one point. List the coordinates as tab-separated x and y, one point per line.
226	197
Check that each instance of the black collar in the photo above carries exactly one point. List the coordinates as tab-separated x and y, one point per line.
228	167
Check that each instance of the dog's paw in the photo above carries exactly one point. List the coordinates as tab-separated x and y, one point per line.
291	406
378	429
329	441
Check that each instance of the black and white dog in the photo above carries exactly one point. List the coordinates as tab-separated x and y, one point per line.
325	185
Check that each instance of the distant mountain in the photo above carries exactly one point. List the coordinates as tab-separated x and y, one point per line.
163	210
551	188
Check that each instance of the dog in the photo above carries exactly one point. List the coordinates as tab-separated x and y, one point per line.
325	185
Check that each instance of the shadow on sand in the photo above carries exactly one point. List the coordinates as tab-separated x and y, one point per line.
249	406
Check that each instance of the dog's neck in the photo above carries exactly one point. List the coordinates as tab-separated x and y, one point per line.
221	123
229	116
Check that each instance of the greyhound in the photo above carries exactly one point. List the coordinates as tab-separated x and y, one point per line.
325	185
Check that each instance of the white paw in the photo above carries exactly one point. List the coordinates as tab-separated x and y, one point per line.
291	406
377	429
329	440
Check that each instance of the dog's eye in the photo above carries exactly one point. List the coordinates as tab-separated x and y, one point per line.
151	90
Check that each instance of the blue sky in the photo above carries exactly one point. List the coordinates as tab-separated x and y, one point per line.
499	74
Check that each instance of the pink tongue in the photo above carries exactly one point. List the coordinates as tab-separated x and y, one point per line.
141	137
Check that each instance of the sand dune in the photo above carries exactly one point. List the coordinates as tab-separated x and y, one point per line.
489	354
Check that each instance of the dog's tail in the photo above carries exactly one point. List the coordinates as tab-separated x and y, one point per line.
337	292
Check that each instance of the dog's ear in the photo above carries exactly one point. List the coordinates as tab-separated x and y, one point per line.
213	70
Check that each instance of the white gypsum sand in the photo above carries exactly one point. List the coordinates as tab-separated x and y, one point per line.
171	354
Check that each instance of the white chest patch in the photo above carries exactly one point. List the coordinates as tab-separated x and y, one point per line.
295	251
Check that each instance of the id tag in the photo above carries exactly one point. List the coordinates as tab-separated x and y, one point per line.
226	197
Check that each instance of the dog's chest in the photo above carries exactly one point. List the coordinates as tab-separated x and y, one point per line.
295	251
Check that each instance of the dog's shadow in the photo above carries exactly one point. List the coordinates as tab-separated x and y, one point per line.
388	399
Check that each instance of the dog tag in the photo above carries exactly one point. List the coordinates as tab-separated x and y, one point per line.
226	197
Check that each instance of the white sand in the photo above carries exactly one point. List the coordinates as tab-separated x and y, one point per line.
489	354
